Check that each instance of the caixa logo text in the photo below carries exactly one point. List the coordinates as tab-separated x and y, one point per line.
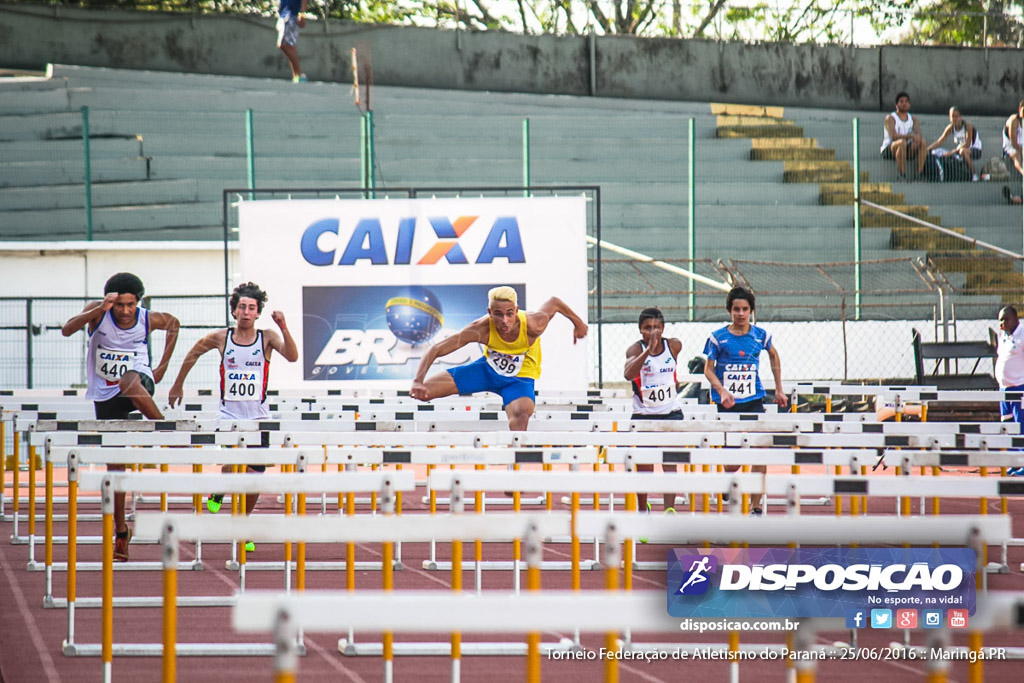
367	242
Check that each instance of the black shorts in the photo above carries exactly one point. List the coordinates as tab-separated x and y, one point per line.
755	406
118	407
674	415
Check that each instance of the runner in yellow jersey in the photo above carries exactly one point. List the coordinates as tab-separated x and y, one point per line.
511	361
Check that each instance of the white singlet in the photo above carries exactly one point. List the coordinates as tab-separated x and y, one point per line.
244	371
960	136
654	389
114	351
1007	146
902	128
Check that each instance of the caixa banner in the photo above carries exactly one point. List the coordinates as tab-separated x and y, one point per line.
369	285
819	582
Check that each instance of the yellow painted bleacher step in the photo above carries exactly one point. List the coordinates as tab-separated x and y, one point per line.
721	108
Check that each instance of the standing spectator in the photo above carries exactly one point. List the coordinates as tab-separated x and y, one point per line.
1010	367
1013	136
966	142
289	21
902	137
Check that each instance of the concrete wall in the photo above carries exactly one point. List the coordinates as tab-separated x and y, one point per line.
982	81
76	269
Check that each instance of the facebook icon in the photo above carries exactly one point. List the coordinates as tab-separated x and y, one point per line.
856	618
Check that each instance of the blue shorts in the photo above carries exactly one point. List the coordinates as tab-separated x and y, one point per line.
1011	409
478	376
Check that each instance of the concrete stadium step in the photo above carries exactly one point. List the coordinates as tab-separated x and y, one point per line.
174	80
141	98
34	173
876	218
69	149
729	109
66	125
793	154
971	261
214	233
310	144
34	101
16	84
741	242
732	192
316	172
819	172
925	238
842	193
112	218
103	194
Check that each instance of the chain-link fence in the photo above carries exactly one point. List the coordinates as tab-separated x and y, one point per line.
37	355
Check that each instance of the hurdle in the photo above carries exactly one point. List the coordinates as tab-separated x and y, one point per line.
383	529
109	483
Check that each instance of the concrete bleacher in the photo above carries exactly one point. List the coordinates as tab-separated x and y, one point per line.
165	145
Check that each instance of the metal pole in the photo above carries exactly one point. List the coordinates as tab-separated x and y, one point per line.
691	213
856	218
362	152
87	173
370	154
526	156
250	152
28	343
227	268
600	285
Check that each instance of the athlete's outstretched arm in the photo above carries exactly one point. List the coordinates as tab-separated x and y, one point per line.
214	340
475	332
286	346
537	322
170	324
780	393
90	315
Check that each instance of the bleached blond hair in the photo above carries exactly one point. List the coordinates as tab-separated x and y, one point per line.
503	293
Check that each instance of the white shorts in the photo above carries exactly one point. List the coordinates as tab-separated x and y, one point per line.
287	31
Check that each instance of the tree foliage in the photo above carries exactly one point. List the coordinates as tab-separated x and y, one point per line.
928	22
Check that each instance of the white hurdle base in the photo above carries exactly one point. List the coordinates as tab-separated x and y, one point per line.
509	565
444	649
147	601
180	649
498	501
154	566
322	565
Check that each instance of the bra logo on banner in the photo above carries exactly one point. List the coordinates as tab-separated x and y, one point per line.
367	242
816	582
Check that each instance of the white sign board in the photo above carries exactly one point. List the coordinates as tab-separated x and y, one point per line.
367	286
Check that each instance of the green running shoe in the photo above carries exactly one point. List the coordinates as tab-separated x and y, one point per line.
250	547
214	502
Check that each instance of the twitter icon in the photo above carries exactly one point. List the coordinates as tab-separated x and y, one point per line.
881	618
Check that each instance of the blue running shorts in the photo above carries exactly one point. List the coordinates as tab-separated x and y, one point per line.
1011	410
478	376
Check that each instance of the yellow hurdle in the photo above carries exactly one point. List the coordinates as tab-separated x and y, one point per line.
169	549
534	558
612	558
31	490
107	646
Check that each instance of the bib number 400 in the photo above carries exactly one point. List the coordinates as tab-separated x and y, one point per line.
242	390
